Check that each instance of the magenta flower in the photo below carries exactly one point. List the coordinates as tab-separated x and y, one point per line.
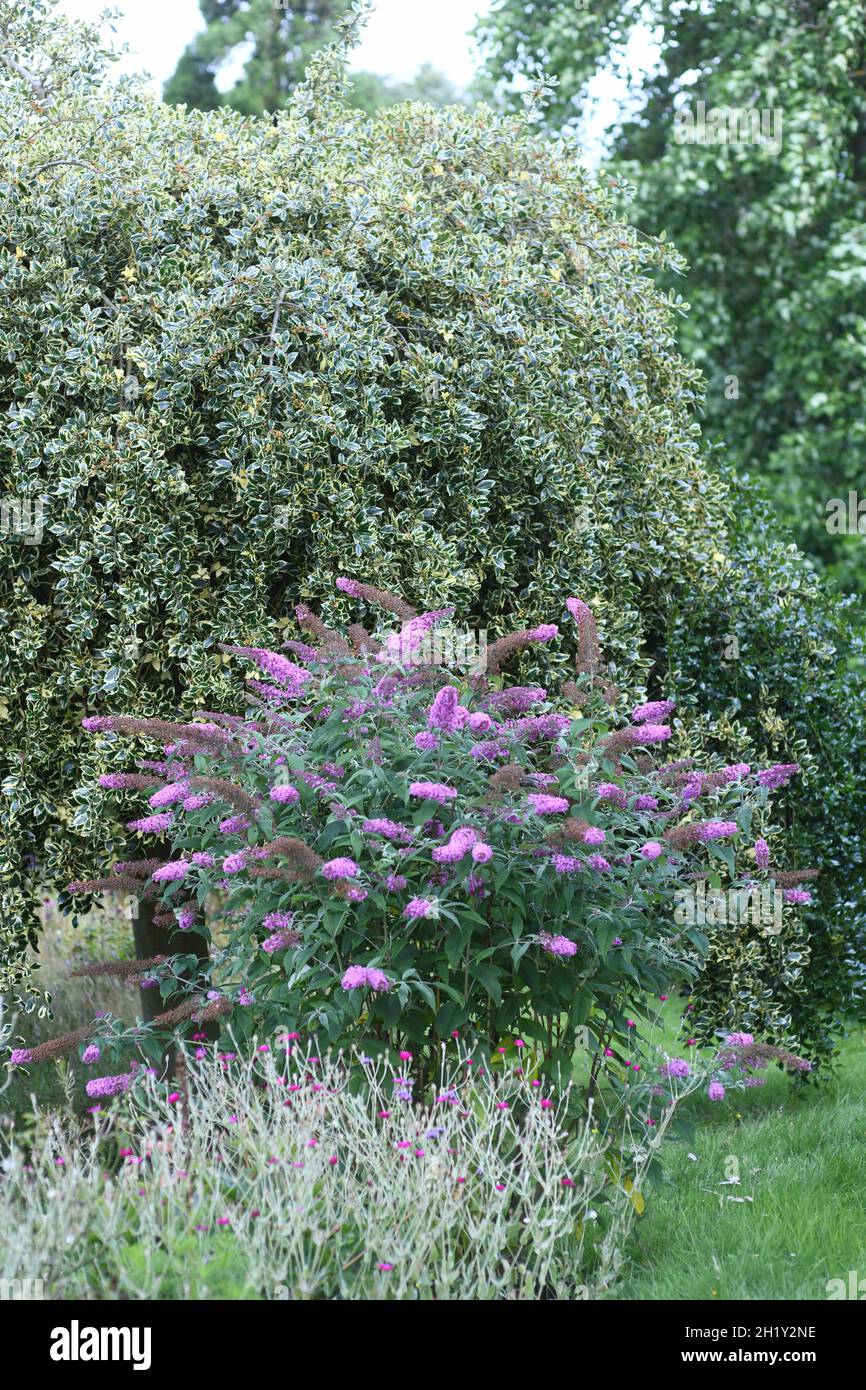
443	711
762	854
545	805
715	1091
797	895
557	945
284	794
482	853
778	775
675	1066
20	1057
651	850
109	1085
361	976
593	835
170	873
389	830
651	733
431	791
597	862
479	722
340	868
175	791
426	742
565	864
655	710
646	803
152	825
233	863
90	1054
608	791
717	830
421	907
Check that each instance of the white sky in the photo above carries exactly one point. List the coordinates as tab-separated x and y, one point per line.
400	35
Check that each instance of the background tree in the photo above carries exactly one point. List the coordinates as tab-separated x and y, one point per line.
274	40
775	240
370	92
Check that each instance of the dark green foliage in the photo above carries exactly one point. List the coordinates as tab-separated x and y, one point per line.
774	237
282	35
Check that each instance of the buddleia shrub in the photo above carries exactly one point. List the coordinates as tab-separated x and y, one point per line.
238	358
384	853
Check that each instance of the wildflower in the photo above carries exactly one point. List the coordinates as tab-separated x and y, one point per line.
234	863
389	830
90	1054
109	1085
459	844
651	850
21	1057
646	803
355	977
762	854
797	895
544	805
597	862
593	835
482	853
202	859
421	907
715	1091
395	883
717	830
608	791
186	916
650	733
384	1267
565	864
675	1066
443	712
171	872
426	742
165	796
359	976
557	945
655	710
340	868
284	794
432	791
778	775
479	722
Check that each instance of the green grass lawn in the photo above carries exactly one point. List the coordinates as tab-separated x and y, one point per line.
797	1216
